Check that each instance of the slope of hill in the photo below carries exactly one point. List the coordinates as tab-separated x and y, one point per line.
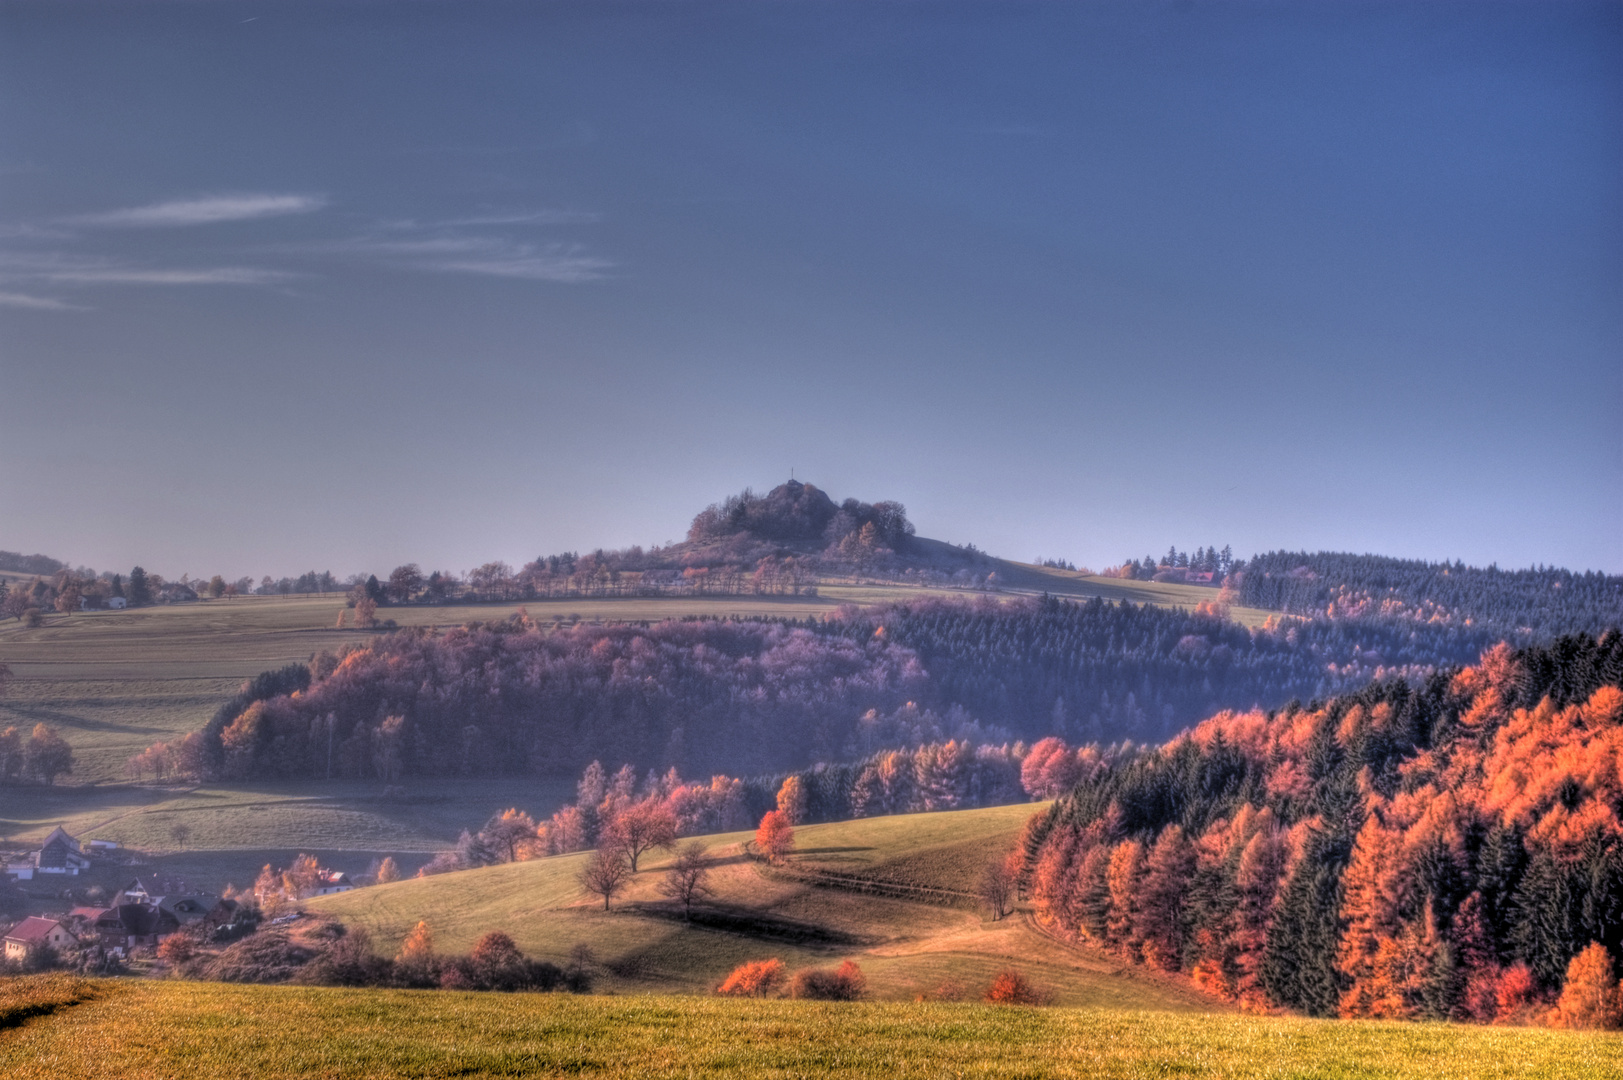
905	947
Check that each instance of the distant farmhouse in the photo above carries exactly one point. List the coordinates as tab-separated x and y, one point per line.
59	854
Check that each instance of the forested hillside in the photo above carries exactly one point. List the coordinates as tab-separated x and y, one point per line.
746	697
1446	850
1534	605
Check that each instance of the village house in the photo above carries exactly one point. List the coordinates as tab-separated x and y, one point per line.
332	881
131	926
34	931
59	854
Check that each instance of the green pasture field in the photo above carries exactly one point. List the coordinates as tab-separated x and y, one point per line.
206	1030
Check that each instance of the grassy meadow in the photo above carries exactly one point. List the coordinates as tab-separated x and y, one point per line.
202	1031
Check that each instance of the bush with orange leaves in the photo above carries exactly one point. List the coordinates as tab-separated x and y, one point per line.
845	983
754	978
1013	988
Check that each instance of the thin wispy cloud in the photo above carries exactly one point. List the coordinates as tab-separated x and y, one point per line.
451	252
35	303
213	275
59	269
211	210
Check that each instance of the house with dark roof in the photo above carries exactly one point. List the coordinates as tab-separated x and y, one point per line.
130	926
33	931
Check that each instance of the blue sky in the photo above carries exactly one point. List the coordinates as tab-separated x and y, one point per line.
346	285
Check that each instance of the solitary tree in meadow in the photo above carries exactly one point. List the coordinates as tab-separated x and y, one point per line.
775	838
606	873
180	832
689	877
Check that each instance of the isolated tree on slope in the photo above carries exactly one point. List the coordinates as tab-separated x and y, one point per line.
775	838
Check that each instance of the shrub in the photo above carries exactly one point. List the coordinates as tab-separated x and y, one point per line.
1013	988
755	978
820	984
261	958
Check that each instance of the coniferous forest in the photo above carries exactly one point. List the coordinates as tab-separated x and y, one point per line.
1446	850
1533	604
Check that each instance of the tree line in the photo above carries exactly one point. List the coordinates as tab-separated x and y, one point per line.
1529	605
1451	850
752	696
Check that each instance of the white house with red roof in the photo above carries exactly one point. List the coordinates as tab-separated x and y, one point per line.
35	930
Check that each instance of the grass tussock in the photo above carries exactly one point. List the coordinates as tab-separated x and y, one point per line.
204	1031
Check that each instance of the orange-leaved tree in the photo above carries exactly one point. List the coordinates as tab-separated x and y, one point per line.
775	838
754	978
1590	998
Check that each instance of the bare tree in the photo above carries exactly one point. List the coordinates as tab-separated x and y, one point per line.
689	877
606	873
997	888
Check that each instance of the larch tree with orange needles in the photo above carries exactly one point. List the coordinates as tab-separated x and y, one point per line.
775	838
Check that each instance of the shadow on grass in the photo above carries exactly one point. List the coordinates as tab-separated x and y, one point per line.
751	923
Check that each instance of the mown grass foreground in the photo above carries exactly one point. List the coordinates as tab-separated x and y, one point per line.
201	1030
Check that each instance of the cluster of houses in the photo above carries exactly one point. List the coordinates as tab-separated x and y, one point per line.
139	915
133	918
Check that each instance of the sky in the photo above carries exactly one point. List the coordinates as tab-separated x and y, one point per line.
341	286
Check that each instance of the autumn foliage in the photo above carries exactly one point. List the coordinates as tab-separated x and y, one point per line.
775	839
1448	850
1012	988
755	978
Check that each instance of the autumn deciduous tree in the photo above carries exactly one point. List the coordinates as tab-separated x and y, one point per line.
418	944
388	871
997	884
513	833
688	878
792	800
1590	999
366	612
606	873
775	838
754	978
11	755
641	827
47	755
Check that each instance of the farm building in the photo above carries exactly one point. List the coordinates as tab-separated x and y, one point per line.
59	854
130	926
33	931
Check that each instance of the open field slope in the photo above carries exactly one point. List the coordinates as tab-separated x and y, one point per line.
203	1031
907	942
